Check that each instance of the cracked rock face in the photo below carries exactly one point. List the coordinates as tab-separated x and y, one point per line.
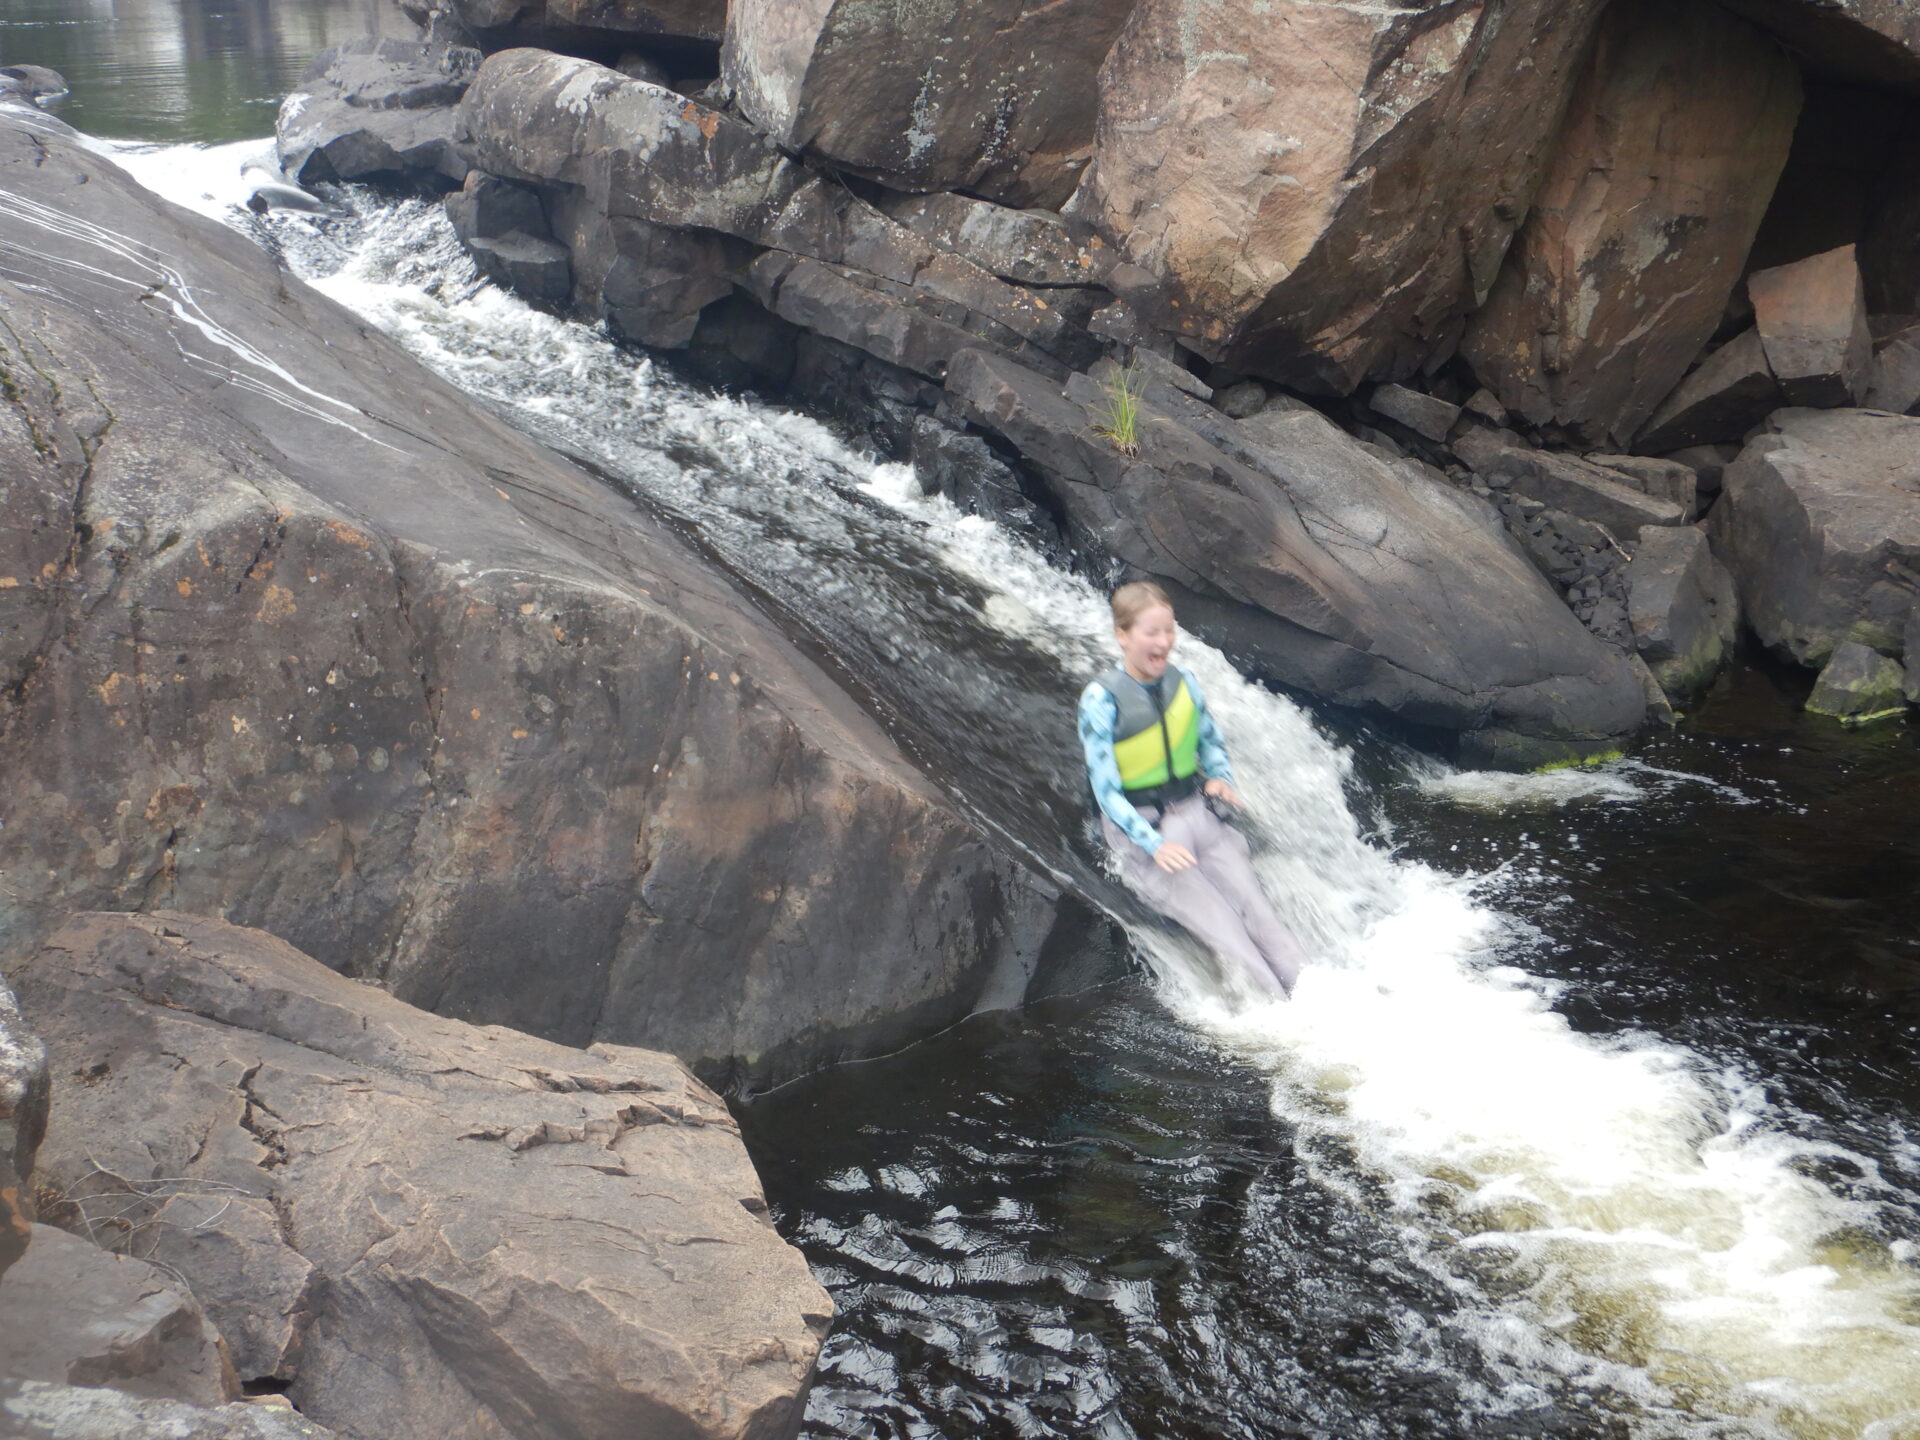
293	632
501	1237
1287	175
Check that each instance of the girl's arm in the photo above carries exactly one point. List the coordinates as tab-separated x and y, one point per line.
1099	713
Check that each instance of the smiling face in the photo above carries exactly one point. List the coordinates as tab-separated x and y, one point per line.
1145	644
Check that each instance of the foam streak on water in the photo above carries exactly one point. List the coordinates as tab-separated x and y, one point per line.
1615	1213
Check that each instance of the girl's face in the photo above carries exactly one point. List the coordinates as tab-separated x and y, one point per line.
1146	643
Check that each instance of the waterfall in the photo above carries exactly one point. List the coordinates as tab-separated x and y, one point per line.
1617	1214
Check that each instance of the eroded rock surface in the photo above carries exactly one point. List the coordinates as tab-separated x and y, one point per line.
1683	609
296	633
1812	319
31	1410
1820	525
1320	194
510	1238
1288	543
1673	142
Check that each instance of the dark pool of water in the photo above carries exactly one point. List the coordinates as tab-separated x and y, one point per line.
1085	1220
204	70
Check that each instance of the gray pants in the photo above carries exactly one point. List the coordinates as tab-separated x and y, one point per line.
1219	900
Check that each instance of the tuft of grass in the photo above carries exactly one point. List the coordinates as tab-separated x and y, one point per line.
1120	412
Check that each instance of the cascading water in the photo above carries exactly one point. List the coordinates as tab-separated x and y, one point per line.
1615	1218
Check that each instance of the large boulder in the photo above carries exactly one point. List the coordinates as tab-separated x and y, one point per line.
1820	524
1317	193
1300	552
1732	391
1859	685
1875	42
378	108
1673	142
32	1410
23	1121
996	97
1683	609
304	637
1812	319
72	1313
512	1240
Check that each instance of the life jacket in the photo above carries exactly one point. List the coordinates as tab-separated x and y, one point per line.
1157	750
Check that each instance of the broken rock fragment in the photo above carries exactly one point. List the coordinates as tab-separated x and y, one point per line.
1812	319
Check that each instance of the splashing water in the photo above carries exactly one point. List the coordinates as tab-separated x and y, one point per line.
1617	1214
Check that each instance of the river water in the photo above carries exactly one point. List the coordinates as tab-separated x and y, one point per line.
1595	1116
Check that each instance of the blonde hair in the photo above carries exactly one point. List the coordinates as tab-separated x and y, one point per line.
1130	602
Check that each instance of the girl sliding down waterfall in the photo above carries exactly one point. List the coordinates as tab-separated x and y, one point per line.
1155	759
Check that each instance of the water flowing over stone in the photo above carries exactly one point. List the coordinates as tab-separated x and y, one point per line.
1674	139
510	1239
419	695
1320	194
1820	525
996	97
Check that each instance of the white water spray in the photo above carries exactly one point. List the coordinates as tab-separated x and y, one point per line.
1617	1215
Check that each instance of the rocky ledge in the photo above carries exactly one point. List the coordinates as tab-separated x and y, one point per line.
406	1224
295	634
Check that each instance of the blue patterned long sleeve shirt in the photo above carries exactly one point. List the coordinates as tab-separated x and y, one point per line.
1099	714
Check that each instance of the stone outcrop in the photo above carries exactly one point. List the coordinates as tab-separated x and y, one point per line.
1320	194
508	1239
378	108
1873	42
72	1313
1913	655
295	633
1683	609
1566	482
1674	139
1732	391
996	97
1895	384
1812	319
31	1410
1859	685
1820	525
1290	545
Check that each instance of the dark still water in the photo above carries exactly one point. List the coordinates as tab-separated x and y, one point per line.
205	70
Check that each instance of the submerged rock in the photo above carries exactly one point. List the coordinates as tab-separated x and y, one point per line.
1820	524
1673	142
305	637
1859	685
510	1239
1320	194
1287	543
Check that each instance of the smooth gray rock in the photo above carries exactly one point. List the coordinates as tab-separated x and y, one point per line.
1663	479
1569	483
72	1313
431	702
1031	247
515	1240
1895	382
378	108
1359	581
1731	391
1426	415
1682	607
24	1092
1858	684
36	84
1812	319
30	1410
1820	524
1241	401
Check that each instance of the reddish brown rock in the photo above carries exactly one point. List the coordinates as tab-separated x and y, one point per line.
1320	194
1674	139
996	97
1812	319
1876	42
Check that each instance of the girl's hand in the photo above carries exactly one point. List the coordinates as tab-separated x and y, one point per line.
1174	858
1221	790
